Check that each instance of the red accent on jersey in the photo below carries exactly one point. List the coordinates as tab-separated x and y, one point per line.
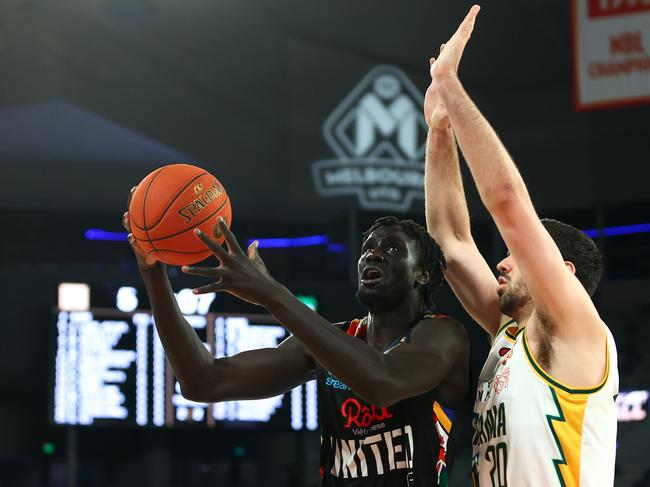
352	329
358	328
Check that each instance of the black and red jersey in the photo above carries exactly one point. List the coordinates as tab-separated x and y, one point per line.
403	445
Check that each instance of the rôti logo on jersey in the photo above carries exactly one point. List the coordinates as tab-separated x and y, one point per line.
360	416
378	134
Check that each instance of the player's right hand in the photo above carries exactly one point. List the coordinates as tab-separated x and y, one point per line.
146	261
446	66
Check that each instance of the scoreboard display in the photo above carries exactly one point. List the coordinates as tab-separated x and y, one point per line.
109	367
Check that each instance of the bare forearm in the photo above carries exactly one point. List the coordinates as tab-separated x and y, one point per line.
446	209
448	220
186	353
496	175
361	367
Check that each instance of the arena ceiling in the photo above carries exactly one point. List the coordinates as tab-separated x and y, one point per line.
95	94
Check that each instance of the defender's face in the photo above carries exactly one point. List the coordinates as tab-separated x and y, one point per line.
387	266
511	289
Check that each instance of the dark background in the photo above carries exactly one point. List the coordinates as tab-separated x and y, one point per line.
95	94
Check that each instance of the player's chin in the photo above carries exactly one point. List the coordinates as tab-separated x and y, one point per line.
370	294
363	292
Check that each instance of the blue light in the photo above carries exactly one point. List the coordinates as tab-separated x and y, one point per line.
620	230
309	241
275	243
97	234
336	248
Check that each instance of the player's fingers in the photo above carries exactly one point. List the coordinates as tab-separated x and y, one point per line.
431	61
252	250
467	26
212	272
147	258
125	221
133	244
464	31
231	240
210	288
128	202
442	46
216	249
131	239
459	40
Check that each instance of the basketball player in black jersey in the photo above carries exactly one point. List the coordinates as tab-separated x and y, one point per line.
378	377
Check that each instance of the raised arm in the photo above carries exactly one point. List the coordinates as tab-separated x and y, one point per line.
253	374
381	379
553	287
448	222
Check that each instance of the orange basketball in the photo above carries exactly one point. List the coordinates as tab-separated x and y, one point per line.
169	204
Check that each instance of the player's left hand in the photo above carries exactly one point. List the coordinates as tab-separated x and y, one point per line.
446	65
434	111
241	274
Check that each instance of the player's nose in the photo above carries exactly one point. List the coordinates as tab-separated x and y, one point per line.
374	256
503	267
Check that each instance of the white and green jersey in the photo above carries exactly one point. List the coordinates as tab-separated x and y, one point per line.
532	430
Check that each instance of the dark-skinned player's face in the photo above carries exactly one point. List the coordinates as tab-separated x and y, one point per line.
388	268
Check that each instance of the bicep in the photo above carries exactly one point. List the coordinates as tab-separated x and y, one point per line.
257	374
553	288
473	283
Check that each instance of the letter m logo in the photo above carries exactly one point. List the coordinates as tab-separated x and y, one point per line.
381	117
378	136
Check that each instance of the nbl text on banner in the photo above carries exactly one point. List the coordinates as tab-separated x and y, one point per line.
611	53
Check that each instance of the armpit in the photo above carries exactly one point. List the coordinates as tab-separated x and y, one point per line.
546	330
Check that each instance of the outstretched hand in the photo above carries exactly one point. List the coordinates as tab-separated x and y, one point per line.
241	274
447	63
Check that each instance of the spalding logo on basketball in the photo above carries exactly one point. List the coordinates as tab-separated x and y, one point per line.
169	203
203	201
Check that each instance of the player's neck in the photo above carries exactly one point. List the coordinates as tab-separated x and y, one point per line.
387	326
523	314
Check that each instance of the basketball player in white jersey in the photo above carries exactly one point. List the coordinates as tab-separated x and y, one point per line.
544	412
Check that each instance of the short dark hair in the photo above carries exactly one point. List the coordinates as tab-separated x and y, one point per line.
579	249
431	258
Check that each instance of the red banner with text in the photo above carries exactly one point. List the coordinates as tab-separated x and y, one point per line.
611	47
607	8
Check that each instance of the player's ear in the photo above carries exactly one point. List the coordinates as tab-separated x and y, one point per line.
423	278
570	266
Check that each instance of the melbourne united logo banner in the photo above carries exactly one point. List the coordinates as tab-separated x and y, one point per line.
378	135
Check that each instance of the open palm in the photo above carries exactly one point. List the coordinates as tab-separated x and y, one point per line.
447	63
